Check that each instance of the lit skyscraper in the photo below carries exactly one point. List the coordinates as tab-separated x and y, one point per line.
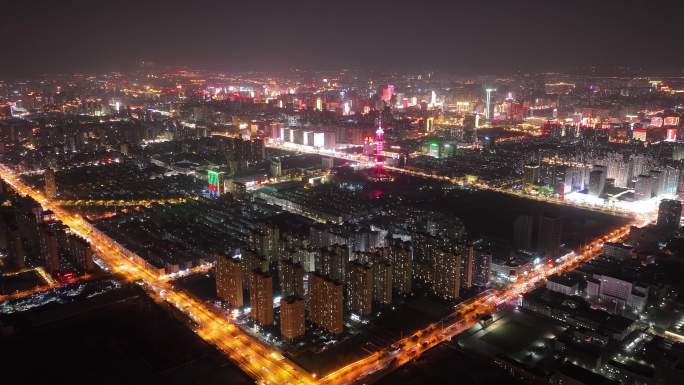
531	173
671	176
49	247
597	180
50	183
261	297
249	262
80	252
447	278
276	168
467	267
326	303
482	262
401	258
229	280
291	277
292	317
360	289
488	107
333	262
382	282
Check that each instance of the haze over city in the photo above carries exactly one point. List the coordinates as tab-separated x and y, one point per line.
309	193
455	36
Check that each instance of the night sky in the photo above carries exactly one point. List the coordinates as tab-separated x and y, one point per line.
476	36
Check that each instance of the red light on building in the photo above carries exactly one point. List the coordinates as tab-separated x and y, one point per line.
380	174
379	149
639	134
213	182
66	278
387	93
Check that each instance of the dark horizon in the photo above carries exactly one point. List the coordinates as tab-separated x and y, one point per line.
453	37
342	193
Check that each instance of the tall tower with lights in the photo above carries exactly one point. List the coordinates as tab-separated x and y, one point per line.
379	150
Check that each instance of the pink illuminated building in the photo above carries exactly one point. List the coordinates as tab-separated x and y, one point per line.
379	150
387	93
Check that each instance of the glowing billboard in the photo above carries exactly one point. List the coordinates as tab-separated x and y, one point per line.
213	182
671	121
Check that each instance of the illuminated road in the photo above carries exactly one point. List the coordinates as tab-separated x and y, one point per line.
264	363
466	314
49	284
261	362
121	203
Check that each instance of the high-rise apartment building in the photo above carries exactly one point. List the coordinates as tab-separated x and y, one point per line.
291	276
360	289
15	248
658	178
550	232
250	261
597	180
326	303
261	297
401	258
382	282
669	215
482	264
276	168
333	262
50	183
522	232
80	252
229	280
447	273
643	188
531	173
266	241
467	260
292	317
49	247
